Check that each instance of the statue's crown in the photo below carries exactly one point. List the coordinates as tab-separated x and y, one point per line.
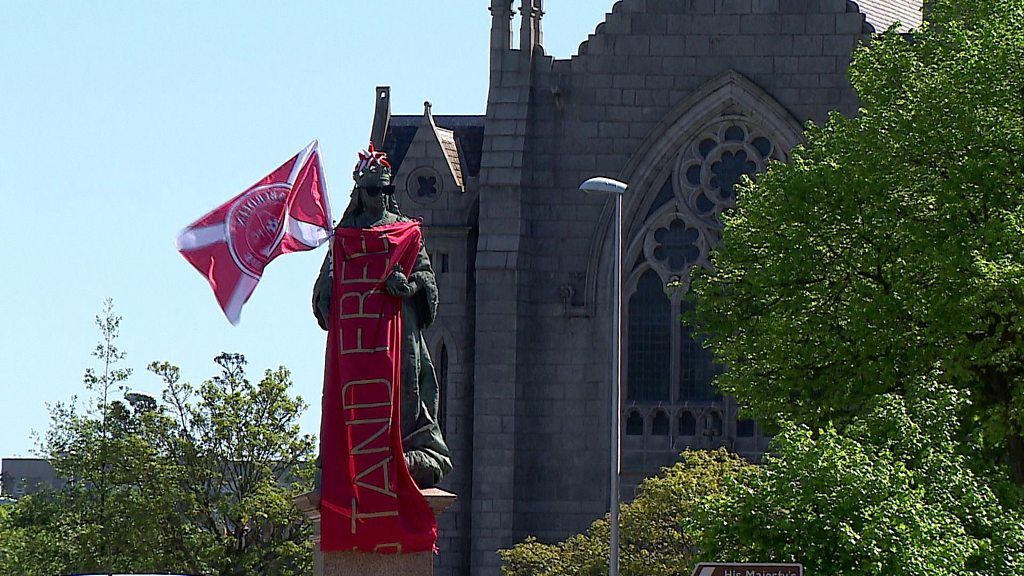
372	169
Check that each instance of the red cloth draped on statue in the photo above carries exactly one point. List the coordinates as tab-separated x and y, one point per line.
369	502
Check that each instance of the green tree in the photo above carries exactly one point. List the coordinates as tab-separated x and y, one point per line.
890	244
8	539
246	459
891	496
123	508
110	379
201	483
657	530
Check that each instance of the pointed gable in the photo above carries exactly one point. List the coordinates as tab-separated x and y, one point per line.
435	161
459	139
434	150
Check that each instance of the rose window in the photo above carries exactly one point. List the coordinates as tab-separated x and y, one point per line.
710	170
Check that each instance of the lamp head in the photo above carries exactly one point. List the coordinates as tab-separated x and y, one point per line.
603	185
140	401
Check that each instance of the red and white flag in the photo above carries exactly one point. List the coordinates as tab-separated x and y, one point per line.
286	211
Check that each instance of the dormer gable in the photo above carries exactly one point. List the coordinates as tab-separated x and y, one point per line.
432	166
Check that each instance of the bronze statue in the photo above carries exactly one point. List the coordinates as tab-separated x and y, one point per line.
373	204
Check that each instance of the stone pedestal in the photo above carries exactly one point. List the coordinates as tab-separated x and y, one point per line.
364	564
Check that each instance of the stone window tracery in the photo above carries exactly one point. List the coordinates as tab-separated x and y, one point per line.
728	170
681	227
676	245
708	171
424	185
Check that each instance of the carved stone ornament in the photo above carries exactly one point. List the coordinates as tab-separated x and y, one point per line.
424	185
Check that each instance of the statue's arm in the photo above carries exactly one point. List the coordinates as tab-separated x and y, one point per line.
419	286
322	292
426	288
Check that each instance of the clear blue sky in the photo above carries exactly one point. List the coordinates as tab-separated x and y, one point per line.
122	122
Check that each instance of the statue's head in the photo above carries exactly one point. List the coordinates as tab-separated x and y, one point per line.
372	169
373	188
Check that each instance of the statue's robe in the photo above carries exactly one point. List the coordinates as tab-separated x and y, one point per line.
425	450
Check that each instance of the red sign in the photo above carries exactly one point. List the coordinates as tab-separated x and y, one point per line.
751	569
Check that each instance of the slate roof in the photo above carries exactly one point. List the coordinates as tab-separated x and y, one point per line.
451	152
883	13
467	131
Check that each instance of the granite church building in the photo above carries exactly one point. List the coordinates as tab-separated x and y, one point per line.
679	98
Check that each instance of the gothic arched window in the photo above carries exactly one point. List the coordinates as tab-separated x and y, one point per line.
660	423
745	428
682	224
713	424
687	424
634	424
650	340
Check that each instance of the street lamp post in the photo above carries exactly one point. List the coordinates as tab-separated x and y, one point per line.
616	189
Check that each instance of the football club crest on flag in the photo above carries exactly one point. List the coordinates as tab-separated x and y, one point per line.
286	211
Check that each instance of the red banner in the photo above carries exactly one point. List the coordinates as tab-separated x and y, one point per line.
369	502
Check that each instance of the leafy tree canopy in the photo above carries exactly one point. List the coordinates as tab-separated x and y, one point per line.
201	483
890	496
657	528
891	244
